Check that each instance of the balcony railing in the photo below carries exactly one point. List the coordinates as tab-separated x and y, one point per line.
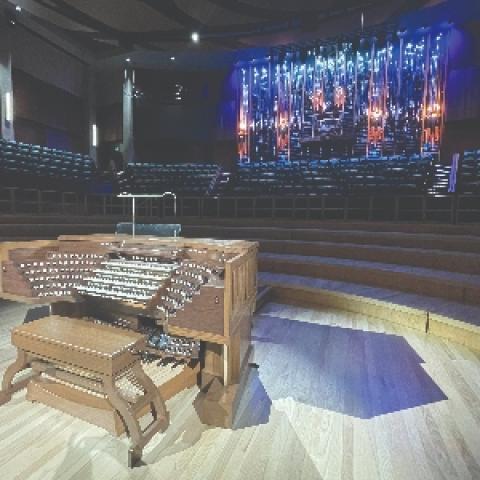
446	209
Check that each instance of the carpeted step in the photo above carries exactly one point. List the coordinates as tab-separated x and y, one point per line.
417	257
47	231
455	243
458	287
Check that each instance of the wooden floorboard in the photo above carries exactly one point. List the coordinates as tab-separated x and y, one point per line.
337	395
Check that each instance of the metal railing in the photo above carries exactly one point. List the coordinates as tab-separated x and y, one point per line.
134	197
446	209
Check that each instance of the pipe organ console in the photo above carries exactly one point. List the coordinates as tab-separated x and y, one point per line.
155	314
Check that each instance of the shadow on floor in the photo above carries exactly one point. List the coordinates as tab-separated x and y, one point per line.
255	404
353	372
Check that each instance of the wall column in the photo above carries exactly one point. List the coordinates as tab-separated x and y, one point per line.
128	147
6	84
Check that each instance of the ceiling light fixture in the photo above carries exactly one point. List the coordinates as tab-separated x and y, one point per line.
18	8
128	60
195	37
172	58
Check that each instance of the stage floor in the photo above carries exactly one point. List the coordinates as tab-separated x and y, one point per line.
336	395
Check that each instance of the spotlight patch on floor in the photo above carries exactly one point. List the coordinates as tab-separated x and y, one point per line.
357	373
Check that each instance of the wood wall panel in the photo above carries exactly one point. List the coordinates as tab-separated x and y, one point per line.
48	115
48	61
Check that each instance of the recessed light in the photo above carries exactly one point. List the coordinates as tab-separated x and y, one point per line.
128	60
18	8
172	58
195	37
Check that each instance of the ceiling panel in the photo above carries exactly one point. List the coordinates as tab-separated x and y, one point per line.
119	27
47	13
211	13
300	5
125	15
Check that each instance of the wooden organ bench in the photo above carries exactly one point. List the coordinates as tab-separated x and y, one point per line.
118	306
79	364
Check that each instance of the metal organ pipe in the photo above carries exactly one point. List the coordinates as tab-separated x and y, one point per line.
378	88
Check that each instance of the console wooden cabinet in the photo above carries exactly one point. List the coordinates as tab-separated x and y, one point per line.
186	301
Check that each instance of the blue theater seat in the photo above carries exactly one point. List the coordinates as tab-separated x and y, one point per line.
182	179
34	166
358	175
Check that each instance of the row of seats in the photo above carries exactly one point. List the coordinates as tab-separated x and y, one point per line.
182	179
469	178
33	166
303	164
36	166
394	174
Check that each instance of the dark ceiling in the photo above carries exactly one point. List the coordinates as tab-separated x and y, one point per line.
112	27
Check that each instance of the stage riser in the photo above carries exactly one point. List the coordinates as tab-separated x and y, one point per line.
406	316
440	238
423	241
67	219
414	228
396	280
448	243
449	261
418	319
39	231
339	225
451	329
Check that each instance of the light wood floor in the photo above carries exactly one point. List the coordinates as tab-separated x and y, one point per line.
337	396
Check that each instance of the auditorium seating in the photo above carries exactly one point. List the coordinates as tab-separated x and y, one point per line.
33	166
182	179
469	179
396	174
27	166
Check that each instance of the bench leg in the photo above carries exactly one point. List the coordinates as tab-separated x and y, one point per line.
128	416
138	437
8	387
134	456
157	404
